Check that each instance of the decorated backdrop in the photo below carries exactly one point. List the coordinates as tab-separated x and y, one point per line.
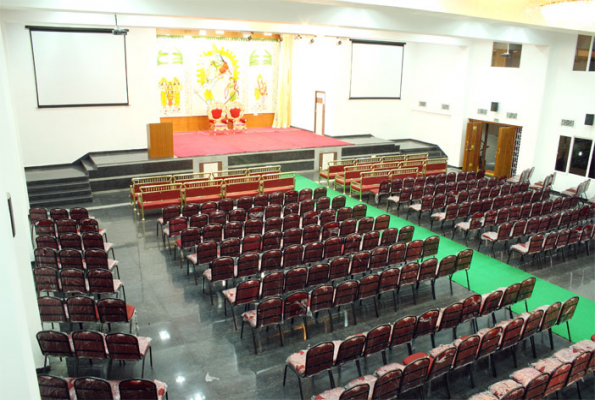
194	72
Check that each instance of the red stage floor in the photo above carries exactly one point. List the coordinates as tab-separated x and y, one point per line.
204	143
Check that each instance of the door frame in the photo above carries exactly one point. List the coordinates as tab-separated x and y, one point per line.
316	102
485	126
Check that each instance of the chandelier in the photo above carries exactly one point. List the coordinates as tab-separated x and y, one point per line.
577	11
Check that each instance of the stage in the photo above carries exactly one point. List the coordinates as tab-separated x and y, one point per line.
213	143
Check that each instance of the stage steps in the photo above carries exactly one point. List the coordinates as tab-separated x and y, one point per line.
411	146
58	186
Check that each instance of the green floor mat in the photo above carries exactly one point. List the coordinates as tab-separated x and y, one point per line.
487	273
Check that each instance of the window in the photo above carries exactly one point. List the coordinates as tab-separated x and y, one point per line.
585	54
506	55
581	154
563	151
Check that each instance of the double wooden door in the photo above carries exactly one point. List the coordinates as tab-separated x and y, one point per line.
474	151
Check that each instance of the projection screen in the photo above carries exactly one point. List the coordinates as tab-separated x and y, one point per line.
79	67
376	70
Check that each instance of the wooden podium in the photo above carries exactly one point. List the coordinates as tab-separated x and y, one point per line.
160	140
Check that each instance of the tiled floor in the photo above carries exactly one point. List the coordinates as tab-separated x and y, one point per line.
200	356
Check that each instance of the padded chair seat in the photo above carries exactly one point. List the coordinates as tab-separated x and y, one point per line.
389	367
143	344
416	207
567	355
585	345
331	394
130	310
491	236
463	225
250	317
161	388
568	192
483	396
547	365
207	274
525	375
193	258
439	216
230	295
437	350
520	247
369	379
297	361
394	199
502	388
111	264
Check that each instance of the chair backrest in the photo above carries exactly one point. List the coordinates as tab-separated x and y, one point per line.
389	280
53	387
271	240
535	388
532	324
357	392
415	374
247	265
551	316
46	279
89	344
70	258
466	350
450	316
405	234
319	358
403	330
122	346
430	246
65	225
247	292
350	349
269	312
368	286
339	268
346	292
295	305
370	240
447	266
54	343
389	236
378	258
318	275
338	202
558	376
313	252
396	253
414	250
272	284
426	323
89	388
512	332
51	309
409	274
73	241
471	306
526	289
113	310
568	309
491	302
252	243
464	260
443	357
138	389
46	257
232	229
206	252
321	298
365	225
295	279
377	339
101	281
222	268
489	341
73	280
82	309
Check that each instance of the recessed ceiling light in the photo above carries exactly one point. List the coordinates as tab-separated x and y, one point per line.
268	34
202	32
220	32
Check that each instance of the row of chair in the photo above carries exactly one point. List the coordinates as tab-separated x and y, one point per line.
39	213
556	240
67	225
195	230
70	258
82	309
461	353
494	218
247	259
323	276
94	345
91	388
546	376
88	240
77	281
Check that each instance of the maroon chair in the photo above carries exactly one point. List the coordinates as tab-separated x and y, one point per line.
272	284
463	263
352	244
321	298
82	309
369	287
310	218
389	282
167	214
295	306
466	353
245	202
101	281
579	361
276	198
426	325
423	206
501	235
208	207
396	254
273	224
65	225
319	192
272	240
251	243
233	229
248	265
94	240
377	341
309	362
311	234
427	271
430	246
389	237
511	336
558	372
94	388
450	317
404	197
70	258
291	196
318	275
567	312
359	211
313	253
253	227
450	214
507	389
189	239
415	374
55	387
71	241
90	345
221	270
295	279
346	293
46	257
381	222
141	389
532	247
126	347
350	349
344	213
406	234
291	209
245	293
54	344
403	330
273	211
292	236
307	205
73	281
339	268
490	302
330	229
115	311
332	247
191	209
293	255
326	216
365	225
446	267
46	279
58	213
378	258
488	345
370	240
271	260
474	224
205	253
261	200
470	312
268	313
52	309
198	221
409	275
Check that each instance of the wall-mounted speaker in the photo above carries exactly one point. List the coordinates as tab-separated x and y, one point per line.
589	119
494	106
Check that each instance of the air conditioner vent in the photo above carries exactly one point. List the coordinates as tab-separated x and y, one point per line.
422	103
482	111
446	107
511	115
567	122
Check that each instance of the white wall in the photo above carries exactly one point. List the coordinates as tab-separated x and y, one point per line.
568	95
62	135
19	313
517	90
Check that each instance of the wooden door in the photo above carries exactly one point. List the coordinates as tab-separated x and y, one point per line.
472	146
319	113
505	151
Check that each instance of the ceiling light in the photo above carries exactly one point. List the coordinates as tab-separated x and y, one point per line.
576	11
268	34
220	32
202	32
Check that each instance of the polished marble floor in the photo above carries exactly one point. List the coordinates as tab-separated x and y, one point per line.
197	352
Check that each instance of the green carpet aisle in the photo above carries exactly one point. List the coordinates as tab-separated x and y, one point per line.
487	273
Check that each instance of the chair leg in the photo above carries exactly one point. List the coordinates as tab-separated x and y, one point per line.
384	357
409	349
359	368
142	374
376	307
285	375
451	292
447	386
532	340
395	300
354	316
413	293
551	338
330	318
305	327
432	339
578	389
470	370
330	377
256	351
280	335
233	315
151	356
468	284
493	364
512	350
568	329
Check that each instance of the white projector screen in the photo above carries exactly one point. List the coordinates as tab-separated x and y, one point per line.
376	70
79	67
